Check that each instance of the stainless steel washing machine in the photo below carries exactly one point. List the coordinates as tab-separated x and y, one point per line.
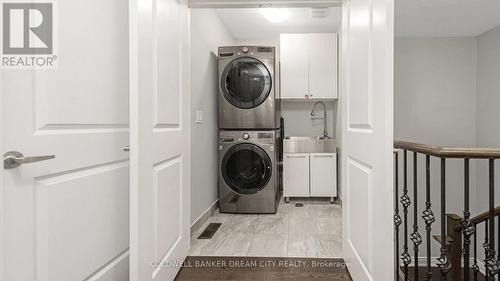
248	172
247	95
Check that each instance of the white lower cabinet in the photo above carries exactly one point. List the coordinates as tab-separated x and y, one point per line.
296	175
323	175
310	175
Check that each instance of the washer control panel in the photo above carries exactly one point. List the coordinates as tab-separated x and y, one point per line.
263	137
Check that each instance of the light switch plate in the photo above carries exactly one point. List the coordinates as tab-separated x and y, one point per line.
199	117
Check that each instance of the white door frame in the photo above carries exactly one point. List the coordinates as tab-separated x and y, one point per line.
216	4
342	56
134	154
2	198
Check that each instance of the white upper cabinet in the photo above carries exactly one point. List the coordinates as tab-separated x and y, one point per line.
294	66
309	66
323	66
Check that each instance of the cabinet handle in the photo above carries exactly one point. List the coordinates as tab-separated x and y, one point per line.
296	156
323	156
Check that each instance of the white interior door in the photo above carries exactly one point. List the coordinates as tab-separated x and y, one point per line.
367	136
159	138
67	218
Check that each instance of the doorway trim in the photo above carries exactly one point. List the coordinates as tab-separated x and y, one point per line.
241	4
2	198
217	4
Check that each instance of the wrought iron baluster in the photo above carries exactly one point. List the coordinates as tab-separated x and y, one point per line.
415	236
428	215
498	244
443	260
475	267
491	259
405	201
397	217
486	247
467	227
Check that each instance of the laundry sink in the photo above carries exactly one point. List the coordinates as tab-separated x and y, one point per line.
309	145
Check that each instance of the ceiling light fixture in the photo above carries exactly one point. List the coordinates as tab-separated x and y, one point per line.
275	15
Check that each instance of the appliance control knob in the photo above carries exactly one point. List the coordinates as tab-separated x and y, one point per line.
246	136
245	50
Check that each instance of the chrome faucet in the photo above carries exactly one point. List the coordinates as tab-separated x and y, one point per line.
313	117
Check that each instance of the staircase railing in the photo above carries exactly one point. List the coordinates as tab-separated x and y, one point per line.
456	233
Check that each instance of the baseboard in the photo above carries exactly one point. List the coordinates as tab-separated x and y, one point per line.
204	217
422	262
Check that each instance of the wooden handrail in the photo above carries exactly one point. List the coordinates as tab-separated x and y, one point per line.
449	152
482	217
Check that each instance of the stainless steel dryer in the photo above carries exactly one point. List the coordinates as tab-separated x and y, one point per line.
247	95
248	172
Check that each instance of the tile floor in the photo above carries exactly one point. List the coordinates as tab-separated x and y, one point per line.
314	230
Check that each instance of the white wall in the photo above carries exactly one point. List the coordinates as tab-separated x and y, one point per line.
435	82
207	34
435	97
488	109
298	121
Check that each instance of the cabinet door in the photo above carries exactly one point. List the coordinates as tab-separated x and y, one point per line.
323	174
296	175
322	65
294	66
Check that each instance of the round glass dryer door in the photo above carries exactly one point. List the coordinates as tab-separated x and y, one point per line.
246	168
246	82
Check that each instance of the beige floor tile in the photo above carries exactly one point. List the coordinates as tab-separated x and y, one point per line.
298	212
235	244
323	211
268	245
303	226
314	230
302	246
273	225
328	225
243	223
224	244
329	246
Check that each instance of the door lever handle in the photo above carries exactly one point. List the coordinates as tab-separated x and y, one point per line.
126	148
14	159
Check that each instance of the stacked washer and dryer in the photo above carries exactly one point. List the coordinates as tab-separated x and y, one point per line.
249	131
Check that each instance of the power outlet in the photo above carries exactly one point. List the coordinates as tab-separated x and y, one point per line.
199	117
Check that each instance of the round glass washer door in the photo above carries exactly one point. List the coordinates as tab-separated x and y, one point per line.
246	82
246	168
